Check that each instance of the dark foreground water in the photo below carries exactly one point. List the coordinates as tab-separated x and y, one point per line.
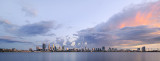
81	56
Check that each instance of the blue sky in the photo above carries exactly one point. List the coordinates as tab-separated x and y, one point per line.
29	23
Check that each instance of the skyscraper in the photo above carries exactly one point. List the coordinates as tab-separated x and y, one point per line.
48	47
103	48
44	46
143	49
63	48
53	47
93	49
85	48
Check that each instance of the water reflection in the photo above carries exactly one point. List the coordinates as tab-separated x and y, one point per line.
81	56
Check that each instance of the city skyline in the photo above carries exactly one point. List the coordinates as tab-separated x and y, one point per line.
123	24
53	48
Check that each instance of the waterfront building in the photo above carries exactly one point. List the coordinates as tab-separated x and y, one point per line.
59	49
30	49
63	48
37	48
112	49
44	47
49	47
85	48
98	49
67	49
93	49
143	49
103	48
138	49
109	49
53	47
13	49
82	50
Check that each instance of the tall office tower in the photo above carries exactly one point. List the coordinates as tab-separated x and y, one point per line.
44	47
49	47
103	48
93	49
143	49
85	48
63	48
53	47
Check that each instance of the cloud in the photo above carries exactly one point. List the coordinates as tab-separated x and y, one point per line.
136	25
50	34
60	41
136	33
5	25
42	28
73	43
58	26
29	11
34	29
64	41
13	33
11	39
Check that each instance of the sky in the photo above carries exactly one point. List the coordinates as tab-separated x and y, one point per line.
26	24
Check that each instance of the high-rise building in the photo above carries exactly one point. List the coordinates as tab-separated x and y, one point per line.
93	49
53	47
143	49
63	48
103	48
85	48
44	47
48	47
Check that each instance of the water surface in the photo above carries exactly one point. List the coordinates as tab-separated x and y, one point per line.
80	56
